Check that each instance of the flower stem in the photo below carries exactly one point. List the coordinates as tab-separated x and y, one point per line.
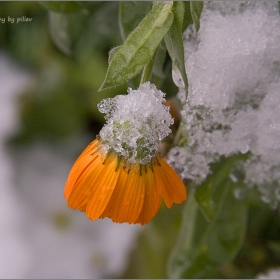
147	71
178	135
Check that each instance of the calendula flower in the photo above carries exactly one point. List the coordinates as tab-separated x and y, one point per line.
120	174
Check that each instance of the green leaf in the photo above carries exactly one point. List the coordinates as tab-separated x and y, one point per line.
209	194
65	29
174	43
131	13
112	53
140	46
187	16
159	61
196	9
63	6
205	247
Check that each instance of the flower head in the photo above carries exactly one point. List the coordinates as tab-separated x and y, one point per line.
136	123
120	175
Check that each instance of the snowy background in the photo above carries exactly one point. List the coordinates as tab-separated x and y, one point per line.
233	103
40	236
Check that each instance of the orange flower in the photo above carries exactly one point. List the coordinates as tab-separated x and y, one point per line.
105	185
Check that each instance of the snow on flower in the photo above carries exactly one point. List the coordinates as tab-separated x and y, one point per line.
120	174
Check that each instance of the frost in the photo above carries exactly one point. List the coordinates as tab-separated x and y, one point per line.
273	273
233	67
136	123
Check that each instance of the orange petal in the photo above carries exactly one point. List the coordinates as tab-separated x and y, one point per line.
174	190
86	184
153	198
135	196
79	166
127	200
166	192
116	198
103	189
173	180
95	186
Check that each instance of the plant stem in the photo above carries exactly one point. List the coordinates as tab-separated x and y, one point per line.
178	135
147	71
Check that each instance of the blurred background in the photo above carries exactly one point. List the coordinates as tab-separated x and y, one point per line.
48	116
51	67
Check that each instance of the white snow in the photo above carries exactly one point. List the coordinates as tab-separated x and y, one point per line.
273	273
233	69
136	123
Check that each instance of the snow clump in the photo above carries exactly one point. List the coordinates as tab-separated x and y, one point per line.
136	123
233	105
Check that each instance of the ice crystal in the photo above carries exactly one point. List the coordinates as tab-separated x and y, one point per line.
136	123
